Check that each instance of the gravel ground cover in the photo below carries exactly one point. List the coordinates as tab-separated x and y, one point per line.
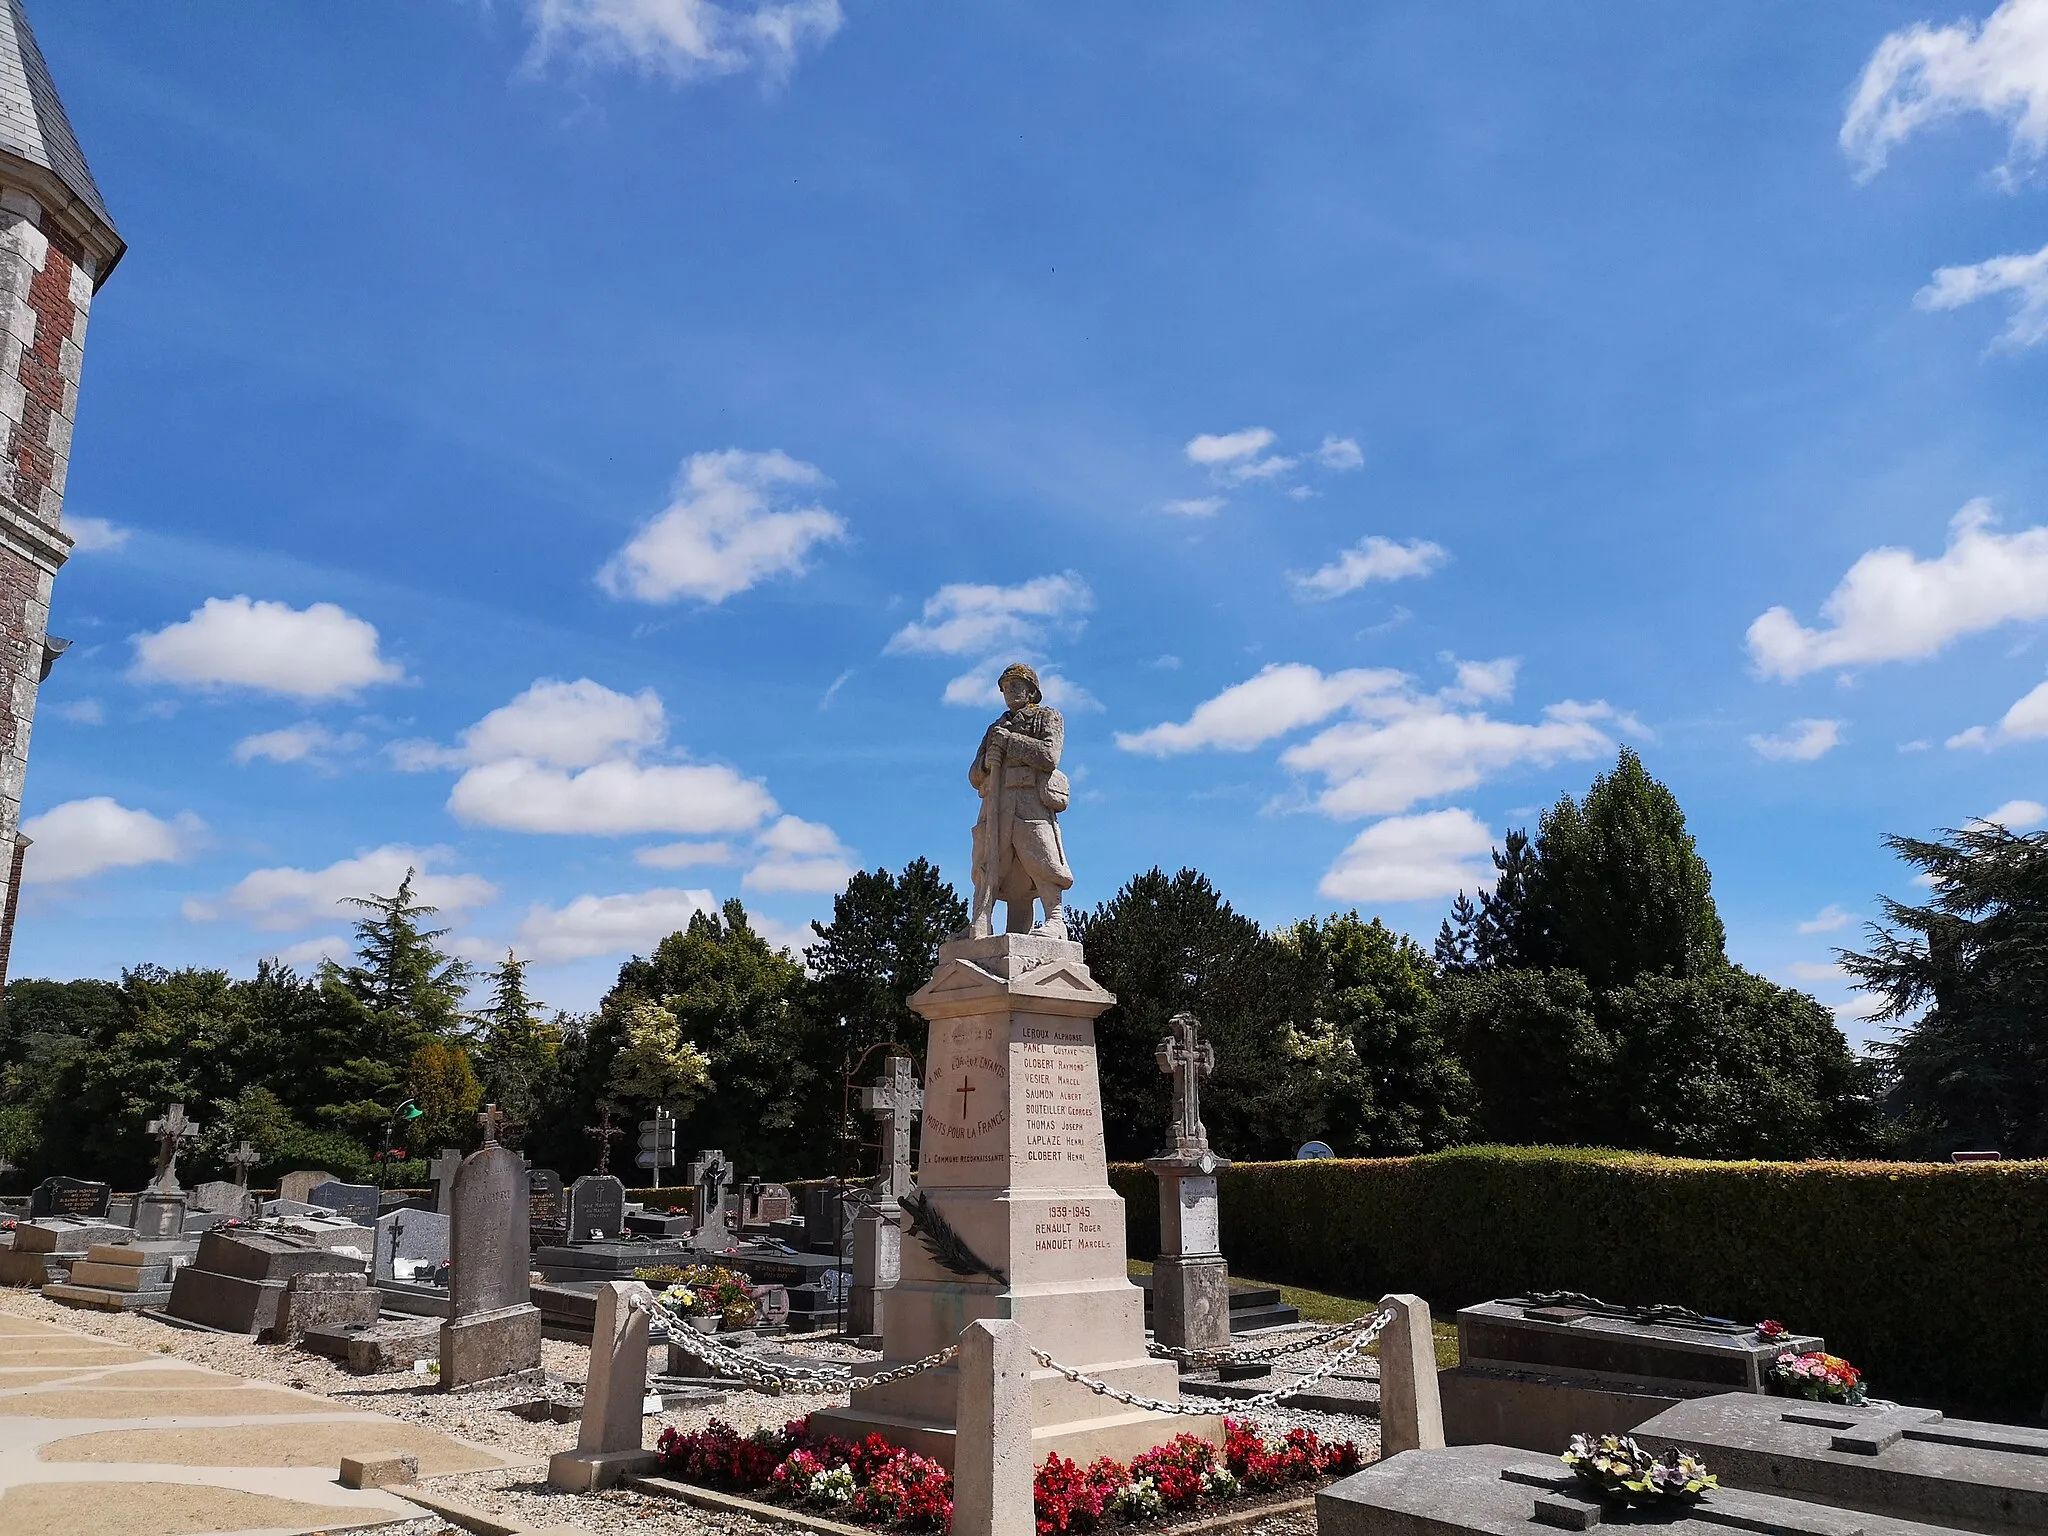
522	1492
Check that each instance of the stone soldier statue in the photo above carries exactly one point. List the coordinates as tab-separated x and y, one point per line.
1018	856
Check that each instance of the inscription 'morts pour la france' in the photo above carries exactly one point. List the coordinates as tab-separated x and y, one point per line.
966	1094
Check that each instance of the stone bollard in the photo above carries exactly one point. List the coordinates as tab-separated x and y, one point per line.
992	1460
1411	1413
608	1439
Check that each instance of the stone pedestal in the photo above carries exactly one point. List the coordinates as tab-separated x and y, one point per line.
498	1348
877	1266
608	1438
1190	1281
1011	1158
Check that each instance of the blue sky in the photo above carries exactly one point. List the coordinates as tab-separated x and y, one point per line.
598	450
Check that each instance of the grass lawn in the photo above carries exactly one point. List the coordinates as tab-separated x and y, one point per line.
1323	1307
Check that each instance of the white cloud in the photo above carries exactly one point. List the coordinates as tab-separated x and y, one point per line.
2024	276
682	39
1340	453
800	856
319	652
1479	681
82	838
92	535
727	527
2027	720
1412	858
691	799
284	898
1800	742
1371	559
1419	749
564	725
1922	73
608	925
1809	970
1282	698
1892	606
1829	919
2020	815
976	688
1403	747
968	618
83	712
1213	448
794	937
1199	506
683	855
304	743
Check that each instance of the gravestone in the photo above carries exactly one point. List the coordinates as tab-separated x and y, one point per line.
710	1174
597	1208
223	1198
1190	1281
547	1211
46	1247
762	1204
235	1281
493	1329
358	1202
159	1215
410	1240
442	1171
608	1437
299	1186
825	1216
1492	1490
896	1100
1022	1182
61	1196
1535	1370
1910	1463
331	1300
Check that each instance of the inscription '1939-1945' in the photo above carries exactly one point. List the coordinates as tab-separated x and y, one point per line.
1069	1228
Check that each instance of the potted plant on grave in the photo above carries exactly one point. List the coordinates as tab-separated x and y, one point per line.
706	1296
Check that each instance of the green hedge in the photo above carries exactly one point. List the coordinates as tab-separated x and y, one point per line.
1929	1277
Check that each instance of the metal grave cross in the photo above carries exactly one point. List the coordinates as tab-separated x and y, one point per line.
242	1159
171	1131
896	1099
1187	1058
604	1133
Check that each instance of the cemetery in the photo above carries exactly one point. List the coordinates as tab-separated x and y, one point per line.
993	1213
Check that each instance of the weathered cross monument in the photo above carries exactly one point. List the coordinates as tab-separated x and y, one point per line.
1012	1179
1190	1282
895	1100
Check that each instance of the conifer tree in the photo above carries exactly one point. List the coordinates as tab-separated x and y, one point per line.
516	1049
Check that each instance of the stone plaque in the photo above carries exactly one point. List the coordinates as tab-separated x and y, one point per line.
487	1235
597	1208
412	1238
158	1216
546	1210
61	1196
358	1202
299	1185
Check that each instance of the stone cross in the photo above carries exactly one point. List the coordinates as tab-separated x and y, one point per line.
171	1131
895	1099
604	1133
242	1159
1187	1058
493	1122
711	1172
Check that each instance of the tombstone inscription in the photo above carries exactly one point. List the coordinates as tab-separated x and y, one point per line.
61	1196
547	1211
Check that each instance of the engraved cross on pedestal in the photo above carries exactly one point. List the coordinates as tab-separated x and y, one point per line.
242	1159
604	1133
895	1099
1187	1058
171	1131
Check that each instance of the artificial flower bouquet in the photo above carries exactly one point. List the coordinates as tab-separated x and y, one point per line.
1616	1467
1819	1378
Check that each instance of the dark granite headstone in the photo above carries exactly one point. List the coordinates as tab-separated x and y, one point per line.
358	1202
547	1212
414	1238
61	1196
597	1208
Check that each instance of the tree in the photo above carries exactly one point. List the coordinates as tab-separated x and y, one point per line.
1509	928
1376	1076
516	1051
1971	1071
1540	1061
733	997
655	1067
443	1087
1165	945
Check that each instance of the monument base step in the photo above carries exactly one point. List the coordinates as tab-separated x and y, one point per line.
589	1471
100	1300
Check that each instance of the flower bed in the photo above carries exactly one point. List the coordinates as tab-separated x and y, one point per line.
702	1290
875	1483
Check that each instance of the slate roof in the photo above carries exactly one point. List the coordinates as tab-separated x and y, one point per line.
32	121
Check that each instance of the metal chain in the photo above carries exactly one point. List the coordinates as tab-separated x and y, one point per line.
1294	1346
759	1373
1361	1341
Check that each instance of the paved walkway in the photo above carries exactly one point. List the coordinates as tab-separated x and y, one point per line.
98	1439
